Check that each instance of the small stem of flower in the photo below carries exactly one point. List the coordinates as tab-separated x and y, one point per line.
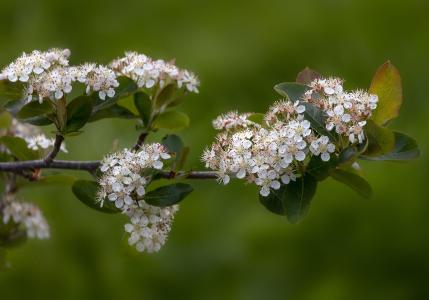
57	146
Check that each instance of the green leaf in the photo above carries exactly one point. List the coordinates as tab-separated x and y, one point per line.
320	169
174	145
172	120
257	118
317	119
144	106
307	75
114	111
357	183
18	147
292	200
168	195
386	84
36	113
78	113
405	148
126	87
291	90
380	139
86	191
34	109
5	119
10	91
166	96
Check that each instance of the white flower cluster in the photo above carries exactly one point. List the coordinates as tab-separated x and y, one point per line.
275	153
149	226
34	64
33	137
232	120
48	75
147	72
26	214
347	111
123	182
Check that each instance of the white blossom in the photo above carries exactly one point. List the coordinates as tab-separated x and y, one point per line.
148	73
26	215
149	225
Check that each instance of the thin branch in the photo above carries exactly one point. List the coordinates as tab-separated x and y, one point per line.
57	146
91	166
140	140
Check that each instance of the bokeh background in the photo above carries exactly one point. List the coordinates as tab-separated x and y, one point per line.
224	244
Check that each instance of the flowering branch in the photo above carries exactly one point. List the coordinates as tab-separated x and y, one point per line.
316	130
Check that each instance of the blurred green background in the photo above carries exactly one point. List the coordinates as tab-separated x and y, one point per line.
224	244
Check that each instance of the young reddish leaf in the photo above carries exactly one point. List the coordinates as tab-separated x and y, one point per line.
307	75
386	84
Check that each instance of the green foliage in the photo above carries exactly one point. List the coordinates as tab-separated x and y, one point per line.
405	148
10	91
291	90
386	84
113	111
175	146
18	148
171	120
168	195
165	96
380	139
357	183
292	200
320	169
78	113
144	106
86	192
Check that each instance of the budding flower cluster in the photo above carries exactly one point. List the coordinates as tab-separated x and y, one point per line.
275	152
123	182
26	215
48	75
148	73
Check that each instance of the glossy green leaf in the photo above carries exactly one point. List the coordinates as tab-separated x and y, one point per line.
386	84
307	75
380	139
10	91
354	181
114	111
86	191
172	120
166	96
18	147
292	200
174	145
168	195
34	109
291	90
144	106
78	113
405	148
320	169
